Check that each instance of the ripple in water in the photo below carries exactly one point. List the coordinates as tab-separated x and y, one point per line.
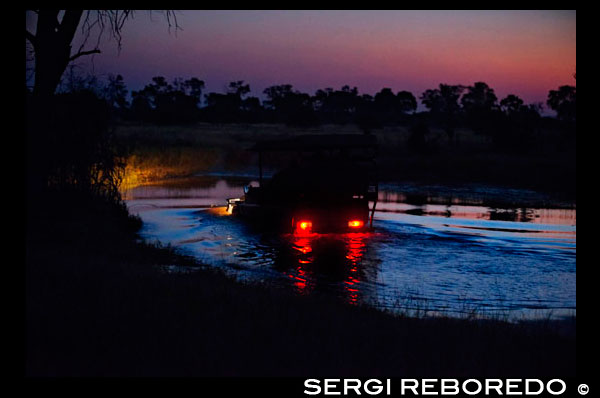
452	259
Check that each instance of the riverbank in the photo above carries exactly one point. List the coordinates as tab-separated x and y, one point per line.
100	302
471	160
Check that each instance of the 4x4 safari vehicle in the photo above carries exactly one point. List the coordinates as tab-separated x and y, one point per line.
326	187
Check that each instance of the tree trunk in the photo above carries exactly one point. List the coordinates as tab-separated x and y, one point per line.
52	47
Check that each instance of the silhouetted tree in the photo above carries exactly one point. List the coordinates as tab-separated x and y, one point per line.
515	131
515	109
337	106
479	98
53	37
289	106
366	117
563	101
479	102
252	110
140	108
536	109
175	102
443	100
284	98
221	108
112	90
115	93
74	81
443	106
232	106
194	87
391	108
386	101
51	44
511	104
406	102
238	88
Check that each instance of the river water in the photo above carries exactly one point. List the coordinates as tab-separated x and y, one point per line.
448	253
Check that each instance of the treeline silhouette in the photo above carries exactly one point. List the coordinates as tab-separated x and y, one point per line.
75	146
448	106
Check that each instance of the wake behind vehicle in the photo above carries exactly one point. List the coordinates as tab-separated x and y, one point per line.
327	185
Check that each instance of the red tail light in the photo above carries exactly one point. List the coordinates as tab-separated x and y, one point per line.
304	226
356	224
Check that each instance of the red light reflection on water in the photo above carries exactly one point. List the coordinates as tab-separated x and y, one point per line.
356	243
300	279
303	244
355	247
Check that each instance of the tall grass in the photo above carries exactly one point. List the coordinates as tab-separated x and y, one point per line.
470	158
153	164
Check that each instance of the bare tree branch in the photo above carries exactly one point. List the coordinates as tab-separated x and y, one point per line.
53	39
30	36
82	53
86	28
172	20
171	17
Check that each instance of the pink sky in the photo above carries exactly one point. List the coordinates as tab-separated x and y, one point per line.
526	53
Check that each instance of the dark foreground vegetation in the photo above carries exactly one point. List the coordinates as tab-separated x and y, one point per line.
100	303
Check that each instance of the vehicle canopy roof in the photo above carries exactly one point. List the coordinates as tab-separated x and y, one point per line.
319	142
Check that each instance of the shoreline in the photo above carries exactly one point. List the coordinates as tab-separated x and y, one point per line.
420	192
98	304
170	150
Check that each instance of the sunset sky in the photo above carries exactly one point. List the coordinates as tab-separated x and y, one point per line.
526	53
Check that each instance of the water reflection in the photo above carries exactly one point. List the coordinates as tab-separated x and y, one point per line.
302	277
214	189
318	260
443	256
470	212
356	249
